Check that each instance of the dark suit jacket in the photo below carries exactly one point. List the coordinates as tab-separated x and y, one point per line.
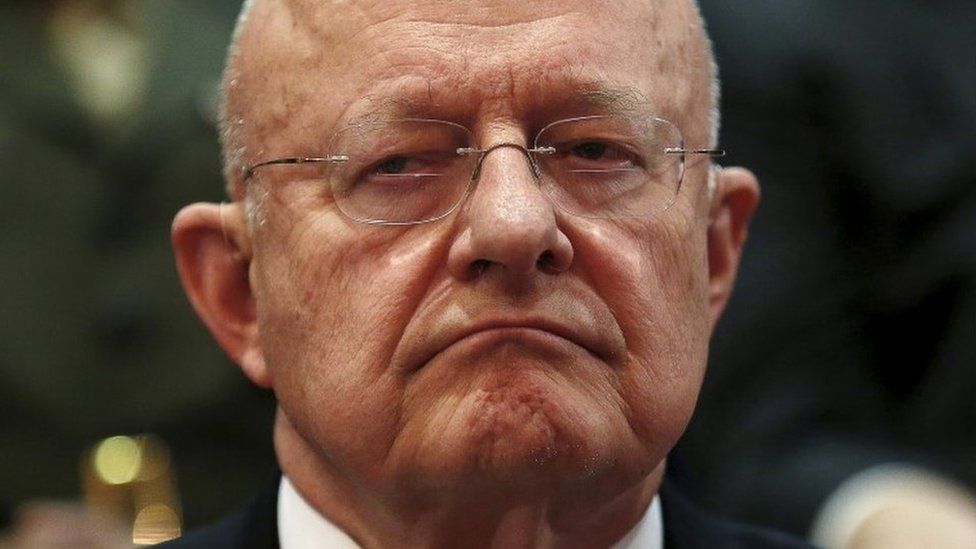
685	527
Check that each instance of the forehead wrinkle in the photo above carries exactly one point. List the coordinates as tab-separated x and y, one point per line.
465	15
362	17
305	12
581	97
399	107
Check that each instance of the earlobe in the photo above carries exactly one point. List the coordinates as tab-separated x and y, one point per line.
213	255
735	199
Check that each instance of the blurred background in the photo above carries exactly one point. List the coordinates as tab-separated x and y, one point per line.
850	342
107	112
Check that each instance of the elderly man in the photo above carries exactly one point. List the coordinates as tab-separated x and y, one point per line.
477	250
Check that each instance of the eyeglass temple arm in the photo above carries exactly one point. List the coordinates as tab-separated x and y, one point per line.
248	173
714	153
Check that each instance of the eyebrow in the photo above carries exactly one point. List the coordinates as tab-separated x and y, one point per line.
615	100
582	96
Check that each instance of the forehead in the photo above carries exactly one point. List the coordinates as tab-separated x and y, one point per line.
312	64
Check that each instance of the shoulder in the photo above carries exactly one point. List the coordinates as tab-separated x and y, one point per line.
253	526
687	527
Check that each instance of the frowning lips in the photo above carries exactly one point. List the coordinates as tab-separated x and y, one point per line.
591	328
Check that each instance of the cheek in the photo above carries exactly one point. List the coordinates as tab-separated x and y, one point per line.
331	312
339	289
671	351
657	289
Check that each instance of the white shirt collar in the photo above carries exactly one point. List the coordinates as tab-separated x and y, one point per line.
648	533
302	527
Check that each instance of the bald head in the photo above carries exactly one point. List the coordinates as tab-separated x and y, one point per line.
285	54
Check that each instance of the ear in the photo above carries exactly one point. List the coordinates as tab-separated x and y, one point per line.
735	198
213	255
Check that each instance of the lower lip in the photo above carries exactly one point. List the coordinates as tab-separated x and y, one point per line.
534	340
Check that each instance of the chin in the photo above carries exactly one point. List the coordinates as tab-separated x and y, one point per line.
512	470
525	432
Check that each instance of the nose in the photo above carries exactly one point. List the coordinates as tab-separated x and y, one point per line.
508	225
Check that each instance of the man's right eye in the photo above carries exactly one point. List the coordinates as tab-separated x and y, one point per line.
403	168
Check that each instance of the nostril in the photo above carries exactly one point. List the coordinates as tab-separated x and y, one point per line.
546	261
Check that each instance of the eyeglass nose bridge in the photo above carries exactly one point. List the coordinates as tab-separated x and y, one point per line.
483	153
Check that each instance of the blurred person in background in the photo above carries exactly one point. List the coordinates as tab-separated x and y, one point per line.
839	399
107	113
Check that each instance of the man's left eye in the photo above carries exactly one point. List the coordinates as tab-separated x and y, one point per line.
596	154
591	150
393	166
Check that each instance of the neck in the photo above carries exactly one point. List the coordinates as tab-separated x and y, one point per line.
594	513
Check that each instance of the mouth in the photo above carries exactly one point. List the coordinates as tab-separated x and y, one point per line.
536	331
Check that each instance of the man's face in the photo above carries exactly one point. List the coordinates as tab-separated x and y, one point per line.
509	343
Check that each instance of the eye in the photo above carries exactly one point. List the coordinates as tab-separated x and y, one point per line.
413	165
591	150
392	166
595	154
